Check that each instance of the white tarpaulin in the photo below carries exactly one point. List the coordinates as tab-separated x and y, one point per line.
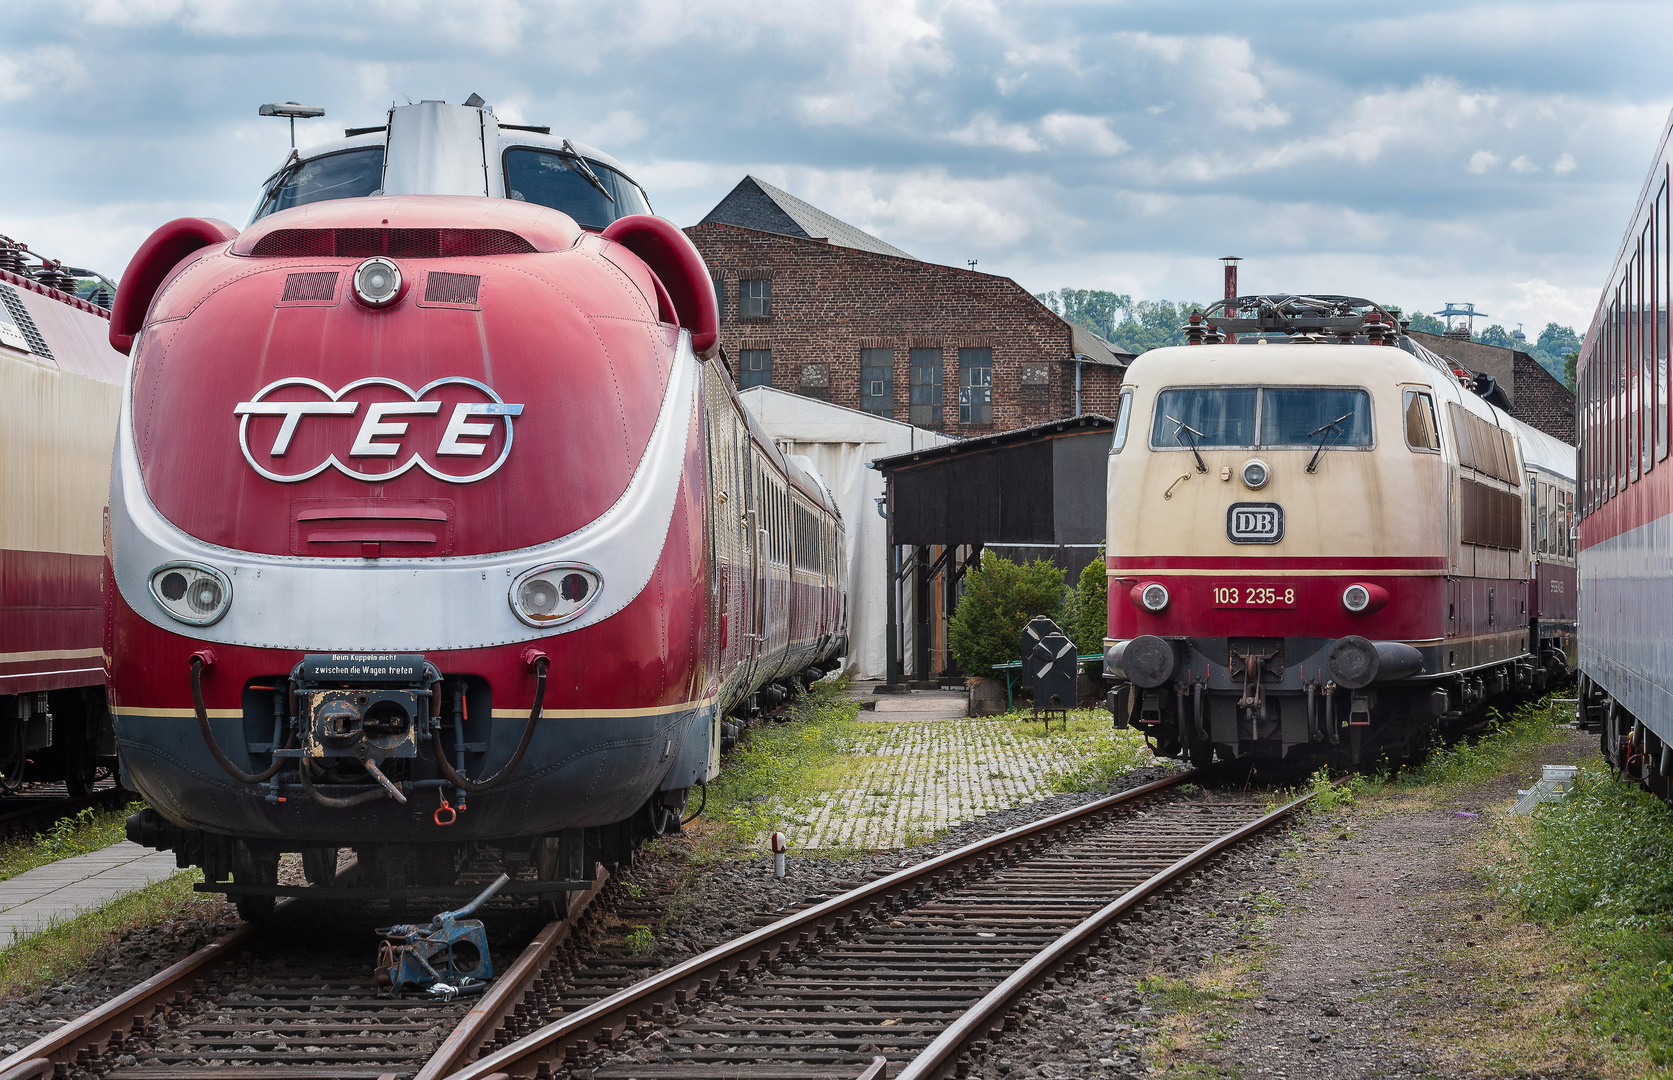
840	442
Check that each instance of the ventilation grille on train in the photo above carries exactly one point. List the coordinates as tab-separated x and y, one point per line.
26	331
442	288
395	243
310	286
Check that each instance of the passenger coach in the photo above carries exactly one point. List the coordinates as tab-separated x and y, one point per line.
1322	541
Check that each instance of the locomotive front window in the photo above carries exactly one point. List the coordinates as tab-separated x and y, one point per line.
352	174
1268	416
1300	416
561	182
1205	415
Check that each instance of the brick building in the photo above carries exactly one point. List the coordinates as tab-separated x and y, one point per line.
1536	397
815	306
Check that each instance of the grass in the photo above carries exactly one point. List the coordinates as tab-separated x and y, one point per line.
1596	869
89	830
1098	751
777	767
1476	760
64	948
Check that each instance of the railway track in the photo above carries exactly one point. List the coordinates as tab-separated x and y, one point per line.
907	976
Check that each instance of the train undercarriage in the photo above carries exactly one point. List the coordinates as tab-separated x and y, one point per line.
56	735
1294	704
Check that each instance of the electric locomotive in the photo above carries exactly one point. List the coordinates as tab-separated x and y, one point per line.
437	530
1626	498
1320	540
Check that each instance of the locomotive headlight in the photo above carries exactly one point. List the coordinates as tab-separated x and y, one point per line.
377	282
1153	597
1255	474
554	594
1361	597
193	594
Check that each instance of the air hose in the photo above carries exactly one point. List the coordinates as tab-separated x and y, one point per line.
209	737
457	780
305	768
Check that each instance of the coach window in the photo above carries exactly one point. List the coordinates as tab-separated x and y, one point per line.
1123	414
1662	272
1421	430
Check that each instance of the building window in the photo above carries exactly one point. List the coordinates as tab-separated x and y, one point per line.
720	298
877	381
755	368
975	386
926	387
816	381
755	299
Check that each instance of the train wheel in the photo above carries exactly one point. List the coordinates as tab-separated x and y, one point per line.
255	868
319	865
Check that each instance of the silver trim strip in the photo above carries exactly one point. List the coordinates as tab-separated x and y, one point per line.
412	605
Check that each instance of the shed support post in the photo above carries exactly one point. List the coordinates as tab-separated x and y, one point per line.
921	614
891	646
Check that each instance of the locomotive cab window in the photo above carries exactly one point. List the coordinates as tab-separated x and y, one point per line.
1257	417
1124	413
1421	430
566	183
351	174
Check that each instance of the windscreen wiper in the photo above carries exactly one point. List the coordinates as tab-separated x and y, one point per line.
1335	426
579	164
1189	431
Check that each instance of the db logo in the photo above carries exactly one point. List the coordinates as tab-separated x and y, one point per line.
1255	523
294	429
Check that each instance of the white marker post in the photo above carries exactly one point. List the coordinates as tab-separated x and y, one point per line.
779	846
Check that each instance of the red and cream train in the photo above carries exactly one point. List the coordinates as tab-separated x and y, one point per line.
1323	543
437	530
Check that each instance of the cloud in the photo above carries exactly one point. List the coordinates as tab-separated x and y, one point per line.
985	130
1563	165
1481	161
45	69
1087	134
1523	164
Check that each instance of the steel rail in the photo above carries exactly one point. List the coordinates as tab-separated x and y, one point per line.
941	1054
60	1046
772	943
504	995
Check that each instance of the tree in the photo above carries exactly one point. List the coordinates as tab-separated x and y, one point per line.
1570	362
1498	336
1000	596
1153	324
1553	347
1427	324
1092	597
1095	309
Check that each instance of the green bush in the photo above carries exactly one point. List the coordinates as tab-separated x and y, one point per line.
1000	596
1092	605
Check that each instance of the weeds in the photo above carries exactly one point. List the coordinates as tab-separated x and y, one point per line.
641	942
89	830
66	947
1597	866
1479	759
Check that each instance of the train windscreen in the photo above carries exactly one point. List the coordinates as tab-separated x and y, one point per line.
352	174
562	182
1283	416
1300	416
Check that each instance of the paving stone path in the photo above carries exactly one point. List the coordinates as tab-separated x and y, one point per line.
61	890
909	779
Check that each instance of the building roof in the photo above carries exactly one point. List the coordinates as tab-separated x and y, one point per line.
1089	346
1069	425
756	204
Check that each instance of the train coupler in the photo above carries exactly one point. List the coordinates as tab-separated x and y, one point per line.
429	958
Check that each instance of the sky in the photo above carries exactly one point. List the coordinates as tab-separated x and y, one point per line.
1442	151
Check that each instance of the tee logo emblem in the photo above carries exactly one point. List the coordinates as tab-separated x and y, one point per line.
448	428
1254	523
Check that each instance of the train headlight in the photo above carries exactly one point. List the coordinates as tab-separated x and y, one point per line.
192	594
1152	596
1255	474
553	594
377	282
1361	597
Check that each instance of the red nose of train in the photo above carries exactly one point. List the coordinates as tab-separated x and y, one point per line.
342	379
